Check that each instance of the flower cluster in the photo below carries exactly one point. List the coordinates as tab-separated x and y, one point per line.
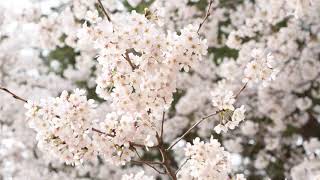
142	65
140	62
139	65
206	161
224	101
119	132
261	68
139	176
63	125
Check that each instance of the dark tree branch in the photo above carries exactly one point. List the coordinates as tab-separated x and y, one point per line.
165	159
13	95
127	58
208	13
100	132
132	144
104	10
148	163
181	166
190	129
162	123
240	91
204	118
206	16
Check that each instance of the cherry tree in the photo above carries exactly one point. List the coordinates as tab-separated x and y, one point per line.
160	89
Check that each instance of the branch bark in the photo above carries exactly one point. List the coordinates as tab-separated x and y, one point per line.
181	166
206	16
104	10
162	123
100	132
203	119
165	159
240	91
127	58
13	94
190	129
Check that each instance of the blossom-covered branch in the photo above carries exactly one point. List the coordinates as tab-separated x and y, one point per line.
157	67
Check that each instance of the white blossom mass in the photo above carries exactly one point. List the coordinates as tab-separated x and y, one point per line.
160	90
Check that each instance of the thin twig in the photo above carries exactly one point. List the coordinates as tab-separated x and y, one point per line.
148	163
13	95
190	129
181	166
242	88
165	159
143	161
206	15
100	132
141	145
166	163
162	123
104	10
204	118
154	168
127	58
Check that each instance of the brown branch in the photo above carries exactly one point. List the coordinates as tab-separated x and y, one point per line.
148	163
100	132
225	3
190	129
13	95
204	118
162	123
165	159
206	16
132	144
165	162
104	10
143	162
181	166
127	58
240	91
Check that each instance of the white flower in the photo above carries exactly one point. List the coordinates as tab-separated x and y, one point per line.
207	160
249	128
93	16
272	143
306	170
234	41
237	117
223	100
138	176
139	65
62	125
32	109
302	7
233	145
303	103
240	177
312	147
220	128
262	160
260	68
